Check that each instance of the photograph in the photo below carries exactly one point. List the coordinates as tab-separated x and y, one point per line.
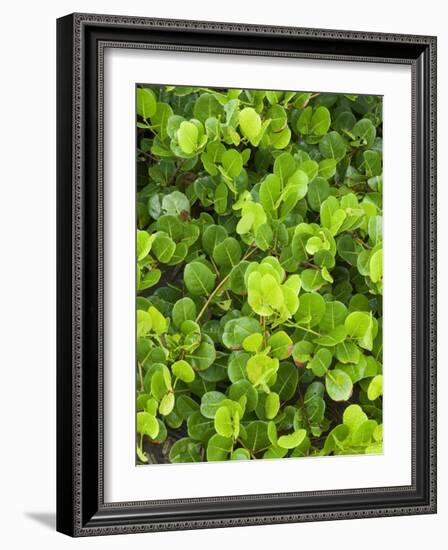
259	267
246	262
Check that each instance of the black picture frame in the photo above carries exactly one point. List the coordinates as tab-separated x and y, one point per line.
81	510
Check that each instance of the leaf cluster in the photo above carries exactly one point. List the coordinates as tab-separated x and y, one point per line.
259	274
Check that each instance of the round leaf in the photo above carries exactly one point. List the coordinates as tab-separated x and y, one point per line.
210	403
147	424
199	279
187	136
146	103
183	371
293	440
271	405
250	124
339	385
375	388
223	422
320	121
236	330
219	448
227	253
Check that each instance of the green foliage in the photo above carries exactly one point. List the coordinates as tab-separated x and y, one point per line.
259	274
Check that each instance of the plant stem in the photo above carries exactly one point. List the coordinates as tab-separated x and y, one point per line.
221	284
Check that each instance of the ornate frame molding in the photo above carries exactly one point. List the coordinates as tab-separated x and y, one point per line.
81	42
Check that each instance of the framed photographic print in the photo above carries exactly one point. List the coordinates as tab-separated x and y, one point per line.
246	274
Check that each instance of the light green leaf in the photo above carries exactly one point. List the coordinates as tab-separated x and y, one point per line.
304	121
163	247
347	352
243	388
339	385
213	235
287	381
332	338
219	448
202	357
166	404
280	344
159	119
312	280
227	253
223	422
250	124
240	454
207	106
292	440
278	117
237	365
146	103
375	388
232	162
236	330
245	224
365	132
360	326
320	362
253	342
320	121
284	167
376	266
210	403
187	136
363	435
260	369
186	406
271	405
170	224
332	146
144	322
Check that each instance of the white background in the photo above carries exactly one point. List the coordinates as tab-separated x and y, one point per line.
125	482
27	305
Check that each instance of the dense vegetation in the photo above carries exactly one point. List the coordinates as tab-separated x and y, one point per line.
259	274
